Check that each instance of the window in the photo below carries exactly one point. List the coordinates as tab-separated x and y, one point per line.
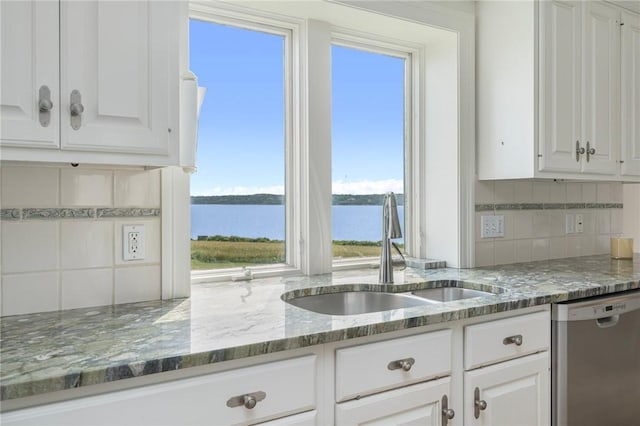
368	136
326	50
238	191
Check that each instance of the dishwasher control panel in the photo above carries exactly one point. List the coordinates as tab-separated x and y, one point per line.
599	307
612	309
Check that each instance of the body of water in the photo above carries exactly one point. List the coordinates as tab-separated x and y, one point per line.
358	223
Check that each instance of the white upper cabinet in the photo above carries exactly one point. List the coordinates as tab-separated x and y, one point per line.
630	94
560	91
114	54
112	69
28	67
601	88
549	91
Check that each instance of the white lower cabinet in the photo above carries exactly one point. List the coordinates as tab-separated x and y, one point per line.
512	393
507	382
488	371
387	372
420	404
237	397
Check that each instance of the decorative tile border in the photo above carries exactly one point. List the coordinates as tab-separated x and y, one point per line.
75	213
128	212
10	214
546	206
83	213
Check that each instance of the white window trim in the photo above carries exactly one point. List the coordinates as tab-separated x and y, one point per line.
413	54
463	170
290	30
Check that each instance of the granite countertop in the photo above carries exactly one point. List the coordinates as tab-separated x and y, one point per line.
223	321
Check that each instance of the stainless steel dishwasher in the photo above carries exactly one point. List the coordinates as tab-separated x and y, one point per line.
596	361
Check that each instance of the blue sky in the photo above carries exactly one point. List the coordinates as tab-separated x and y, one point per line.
241	130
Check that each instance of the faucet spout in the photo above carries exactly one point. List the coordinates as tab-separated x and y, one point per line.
390	229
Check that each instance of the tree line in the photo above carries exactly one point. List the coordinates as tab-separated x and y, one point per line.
275	199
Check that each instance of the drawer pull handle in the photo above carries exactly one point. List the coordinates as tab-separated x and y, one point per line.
517	340
447	413
478	404
248	400
404	364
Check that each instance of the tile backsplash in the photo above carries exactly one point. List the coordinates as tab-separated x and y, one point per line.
61	237
534	219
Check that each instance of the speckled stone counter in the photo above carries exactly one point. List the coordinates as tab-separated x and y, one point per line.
223	321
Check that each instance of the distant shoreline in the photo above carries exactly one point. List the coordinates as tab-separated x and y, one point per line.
275	199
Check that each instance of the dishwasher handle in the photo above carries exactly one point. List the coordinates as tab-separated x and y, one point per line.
607	322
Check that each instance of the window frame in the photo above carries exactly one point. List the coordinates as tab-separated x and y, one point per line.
412	53
289	30
450	188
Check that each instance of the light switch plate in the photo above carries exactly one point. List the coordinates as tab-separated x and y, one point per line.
491	226
569	222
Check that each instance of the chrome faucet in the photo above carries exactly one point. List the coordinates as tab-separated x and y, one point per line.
390	229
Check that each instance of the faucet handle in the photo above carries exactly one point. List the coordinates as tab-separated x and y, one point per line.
395	231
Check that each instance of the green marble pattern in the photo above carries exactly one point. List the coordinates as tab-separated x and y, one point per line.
223	321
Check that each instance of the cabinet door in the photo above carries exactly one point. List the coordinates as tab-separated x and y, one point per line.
419	404
28	61
516	393
630	52
559	110
601	88
114	53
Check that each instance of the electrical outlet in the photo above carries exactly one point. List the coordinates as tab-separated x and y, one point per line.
579	224
491	226
133	242
569	222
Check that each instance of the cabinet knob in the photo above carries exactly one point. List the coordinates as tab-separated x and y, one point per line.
76	109
579	151
447	413
478	404
44	105
404	364
515	340
247	401
590	151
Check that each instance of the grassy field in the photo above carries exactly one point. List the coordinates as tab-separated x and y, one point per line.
217	254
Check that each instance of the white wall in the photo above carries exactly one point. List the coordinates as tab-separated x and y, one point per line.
62	248
631	218
535	225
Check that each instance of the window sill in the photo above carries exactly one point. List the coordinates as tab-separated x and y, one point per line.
242	274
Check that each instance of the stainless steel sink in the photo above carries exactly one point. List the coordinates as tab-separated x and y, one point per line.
448	294
355	302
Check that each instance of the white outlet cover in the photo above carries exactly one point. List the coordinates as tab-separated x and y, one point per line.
133	242
491	226
579	224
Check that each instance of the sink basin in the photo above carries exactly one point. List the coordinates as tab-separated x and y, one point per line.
448	294
355	302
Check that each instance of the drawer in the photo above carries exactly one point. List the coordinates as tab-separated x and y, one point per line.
504	339
289	387
374	367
